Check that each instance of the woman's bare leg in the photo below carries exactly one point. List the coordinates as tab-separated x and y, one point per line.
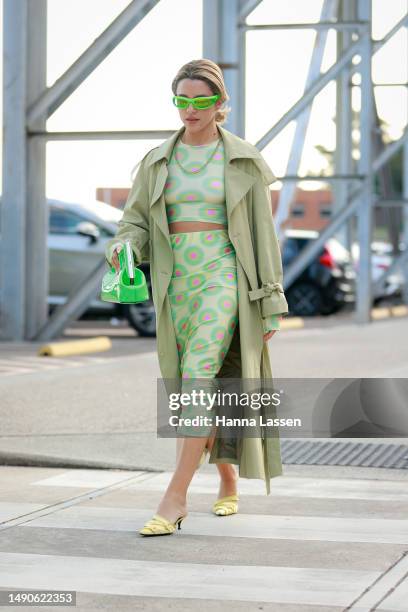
173	503
179	443
188	453
228	475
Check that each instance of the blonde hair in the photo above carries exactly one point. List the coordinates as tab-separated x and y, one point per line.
208	71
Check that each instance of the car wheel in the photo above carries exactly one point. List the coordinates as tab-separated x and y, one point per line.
304	299
142	318
330	308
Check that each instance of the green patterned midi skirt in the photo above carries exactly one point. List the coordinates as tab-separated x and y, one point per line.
203	297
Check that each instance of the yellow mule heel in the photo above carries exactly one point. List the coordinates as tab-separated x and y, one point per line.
226	505
159	525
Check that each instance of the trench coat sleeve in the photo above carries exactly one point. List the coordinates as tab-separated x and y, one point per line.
271	323
134	224
267	252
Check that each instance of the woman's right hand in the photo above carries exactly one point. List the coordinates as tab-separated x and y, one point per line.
115	258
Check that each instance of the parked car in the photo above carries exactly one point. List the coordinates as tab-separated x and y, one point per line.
77	236
327	284
381	259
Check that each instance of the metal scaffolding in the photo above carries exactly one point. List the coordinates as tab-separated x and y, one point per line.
28	103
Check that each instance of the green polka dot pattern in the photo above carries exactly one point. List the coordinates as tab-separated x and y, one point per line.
202	259
203	300
199	196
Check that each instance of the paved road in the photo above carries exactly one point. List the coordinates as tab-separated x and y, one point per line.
100	409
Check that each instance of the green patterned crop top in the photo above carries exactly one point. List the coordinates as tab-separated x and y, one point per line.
200	196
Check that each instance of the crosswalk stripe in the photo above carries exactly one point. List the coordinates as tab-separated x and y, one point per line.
10	370
282	486
11	366
292	486
285	527
314	586
88	479
9	510
41	361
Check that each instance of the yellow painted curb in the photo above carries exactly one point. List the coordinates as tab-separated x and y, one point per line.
292	323
389	311
399	311
380	313
74	347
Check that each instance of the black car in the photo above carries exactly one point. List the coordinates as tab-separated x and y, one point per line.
327	284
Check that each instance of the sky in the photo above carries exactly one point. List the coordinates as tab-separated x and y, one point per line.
148	59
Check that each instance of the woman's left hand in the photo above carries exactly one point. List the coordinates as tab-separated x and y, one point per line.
269	335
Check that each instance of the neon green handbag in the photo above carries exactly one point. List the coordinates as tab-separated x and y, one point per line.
128	286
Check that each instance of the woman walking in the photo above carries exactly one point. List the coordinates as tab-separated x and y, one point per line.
199	210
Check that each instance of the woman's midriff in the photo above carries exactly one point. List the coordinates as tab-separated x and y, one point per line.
193	226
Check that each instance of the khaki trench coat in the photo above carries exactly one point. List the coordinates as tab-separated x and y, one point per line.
259	271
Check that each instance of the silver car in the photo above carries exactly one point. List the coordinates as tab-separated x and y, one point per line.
77	236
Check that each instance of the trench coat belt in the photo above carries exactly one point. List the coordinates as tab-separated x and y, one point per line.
264	291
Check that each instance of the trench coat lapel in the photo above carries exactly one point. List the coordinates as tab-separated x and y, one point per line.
157	202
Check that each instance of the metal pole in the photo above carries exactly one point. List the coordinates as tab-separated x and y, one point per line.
223	44
37	256
404	235
365	209
405	217
230	58
343	161
241	101
13	205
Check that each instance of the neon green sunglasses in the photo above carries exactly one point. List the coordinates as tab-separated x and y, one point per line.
198	103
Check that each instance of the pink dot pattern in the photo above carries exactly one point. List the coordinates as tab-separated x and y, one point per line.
197	192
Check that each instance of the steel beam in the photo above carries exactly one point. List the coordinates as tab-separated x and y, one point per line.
101	135
343	160
77	302
14	196
405	216
332	73
317	25
50	99
309	252
309	95
223	45
365	166
37	255
247	6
